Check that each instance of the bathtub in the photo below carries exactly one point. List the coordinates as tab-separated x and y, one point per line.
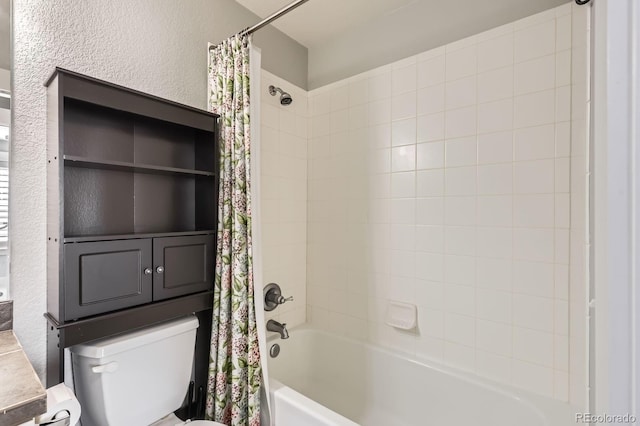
321	379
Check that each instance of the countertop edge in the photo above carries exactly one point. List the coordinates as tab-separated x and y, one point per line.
21	375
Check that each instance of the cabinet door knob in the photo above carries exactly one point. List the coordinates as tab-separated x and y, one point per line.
147	271
160	269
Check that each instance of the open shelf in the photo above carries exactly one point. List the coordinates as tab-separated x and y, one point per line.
108	201
111	237
127	173
96	136
76	161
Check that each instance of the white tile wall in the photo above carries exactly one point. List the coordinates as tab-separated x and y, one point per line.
284	195
452	185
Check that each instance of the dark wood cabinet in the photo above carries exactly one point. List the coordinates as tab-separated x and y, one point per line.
105	276
132	194
182	265
132	186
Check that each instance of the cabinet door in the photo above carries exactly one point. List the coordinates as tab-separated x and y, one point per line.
182	265
106	275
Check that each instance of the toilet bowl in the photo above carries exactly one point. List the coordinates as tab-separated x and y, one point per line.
137	378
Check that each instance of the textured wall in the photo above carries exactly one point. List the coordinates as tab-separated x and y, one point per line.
157	46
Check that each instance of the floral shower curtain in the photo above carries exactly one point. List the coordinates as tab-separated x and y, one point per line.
233	391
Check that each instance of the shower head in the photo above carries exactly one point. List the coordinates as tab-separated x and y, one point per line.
285	98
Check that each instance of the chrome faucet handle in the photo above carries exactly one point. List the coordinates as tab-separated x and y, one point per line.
282	299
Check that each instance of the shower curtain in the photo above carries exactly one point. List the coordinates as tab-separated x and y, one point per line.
233	390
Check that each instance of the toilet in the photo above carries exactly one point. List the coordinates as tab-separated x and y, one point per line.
138	378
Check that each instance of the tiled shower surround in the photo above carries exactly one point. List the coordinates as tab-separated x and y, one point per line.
454	180
443	180
283	143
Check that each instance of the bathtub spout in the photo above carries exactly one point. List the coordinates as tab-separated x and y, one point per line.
275	326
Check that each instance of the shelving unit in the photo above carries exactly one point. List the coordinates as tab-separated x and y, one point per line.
132	194
139	163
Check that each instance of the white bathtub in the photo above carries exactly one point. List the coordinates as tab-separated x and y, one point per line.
320	379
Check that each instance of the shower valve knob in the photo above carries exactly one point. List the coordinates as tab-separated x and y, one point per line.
273	297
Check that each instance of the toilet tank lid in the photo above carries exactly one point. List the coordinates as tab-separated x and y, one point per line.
123	342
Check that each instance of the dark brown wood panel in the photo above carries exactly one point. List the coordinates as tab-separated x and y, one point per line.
164	144
206	199
164	203
117	97
187	265
206	149
105	276
113	237
97	133
62	335
74	161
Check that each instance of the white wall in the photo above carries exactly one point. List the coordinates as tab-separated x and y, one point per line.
443	180
616	219
284	196
157	46
411	28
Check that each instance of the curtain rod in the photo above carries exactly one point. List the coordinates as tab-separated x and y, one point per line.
269	19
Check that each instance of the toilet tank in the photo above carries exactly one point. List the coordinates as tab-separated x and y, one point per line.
135	378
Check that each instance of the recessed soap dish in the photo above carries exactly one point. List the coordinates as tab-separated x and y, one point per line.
401	315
